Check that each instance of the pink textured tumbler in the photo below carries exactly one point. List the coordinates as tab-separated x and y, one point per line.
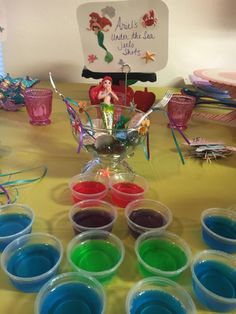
179	110
38	103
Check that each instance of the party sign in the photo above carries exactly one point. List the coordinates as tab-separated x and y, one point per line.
130	32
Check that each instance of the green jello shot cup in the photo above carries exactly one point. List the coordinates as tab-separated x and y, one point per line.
96	253
162	254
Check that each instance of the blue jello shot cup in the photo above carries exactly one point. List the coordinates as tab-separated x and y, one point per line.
31	260
159	295
214	280
219	229
15	221
71	293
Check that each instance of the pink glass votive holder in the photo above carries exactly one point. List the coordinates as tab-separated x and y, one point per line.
88	186
179	110
126	187
38	103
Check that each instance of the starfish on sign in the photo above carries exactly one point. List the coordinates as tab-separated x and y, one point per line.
149	56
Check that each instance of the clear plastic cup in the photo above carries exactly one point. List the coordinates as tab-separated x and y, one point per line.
88	186
163	254
31	260
214	280
96	253
15	221
71	293
145	215
158	295
92	215
127	187
219	229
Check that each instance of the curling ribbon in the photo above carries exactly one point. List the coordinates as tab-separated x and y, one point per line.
78	105
23	181
146	147
75	119
175	140
4	191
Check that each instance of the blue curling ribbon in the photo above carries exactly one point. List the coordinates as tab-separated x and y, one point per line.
22	181
175	141
146	147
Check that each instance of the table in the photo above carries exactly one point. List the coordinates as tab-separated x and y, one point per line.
185	189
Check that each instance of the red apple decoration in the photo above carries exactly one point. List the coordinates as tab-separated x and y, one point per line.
120	92
144	99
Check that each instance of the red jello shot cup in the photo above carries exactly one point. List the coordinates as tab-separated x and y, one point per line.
88	186
127	187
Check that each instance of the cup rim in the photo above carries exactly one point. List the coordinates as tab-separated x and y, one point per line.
32	218
110	129
38	90
71	278
145	186
168	235
207	211
18	241
97	274
78	226
161	280
192	98
195	278
75	193
133	224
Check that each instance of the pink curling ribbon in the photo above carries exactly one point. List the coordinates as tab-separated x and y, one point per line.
74	119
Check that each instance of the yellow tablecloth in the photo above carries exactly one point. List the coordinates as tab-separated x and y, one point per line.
185	189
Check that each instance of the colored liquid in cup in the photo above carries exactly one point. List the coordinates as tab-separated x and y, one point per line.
72	298
11	224
222	226
88	187
223	233
219	279
147	218
31	261
151	301
96	256
130	190
162	255
93	218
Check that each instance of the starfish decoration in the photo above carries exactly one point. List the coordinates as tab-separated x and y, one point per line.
92	58
144	127
149	56
105	172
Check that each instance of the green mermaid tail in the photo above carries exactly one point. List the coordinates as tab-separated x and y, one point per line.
108	57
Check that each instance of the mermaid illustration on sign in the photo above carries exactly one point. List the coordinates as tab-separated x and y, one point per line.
100	24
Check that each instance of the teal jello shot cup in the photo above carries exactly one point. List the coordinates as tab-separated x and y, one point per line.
96	253
71	293
163	254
